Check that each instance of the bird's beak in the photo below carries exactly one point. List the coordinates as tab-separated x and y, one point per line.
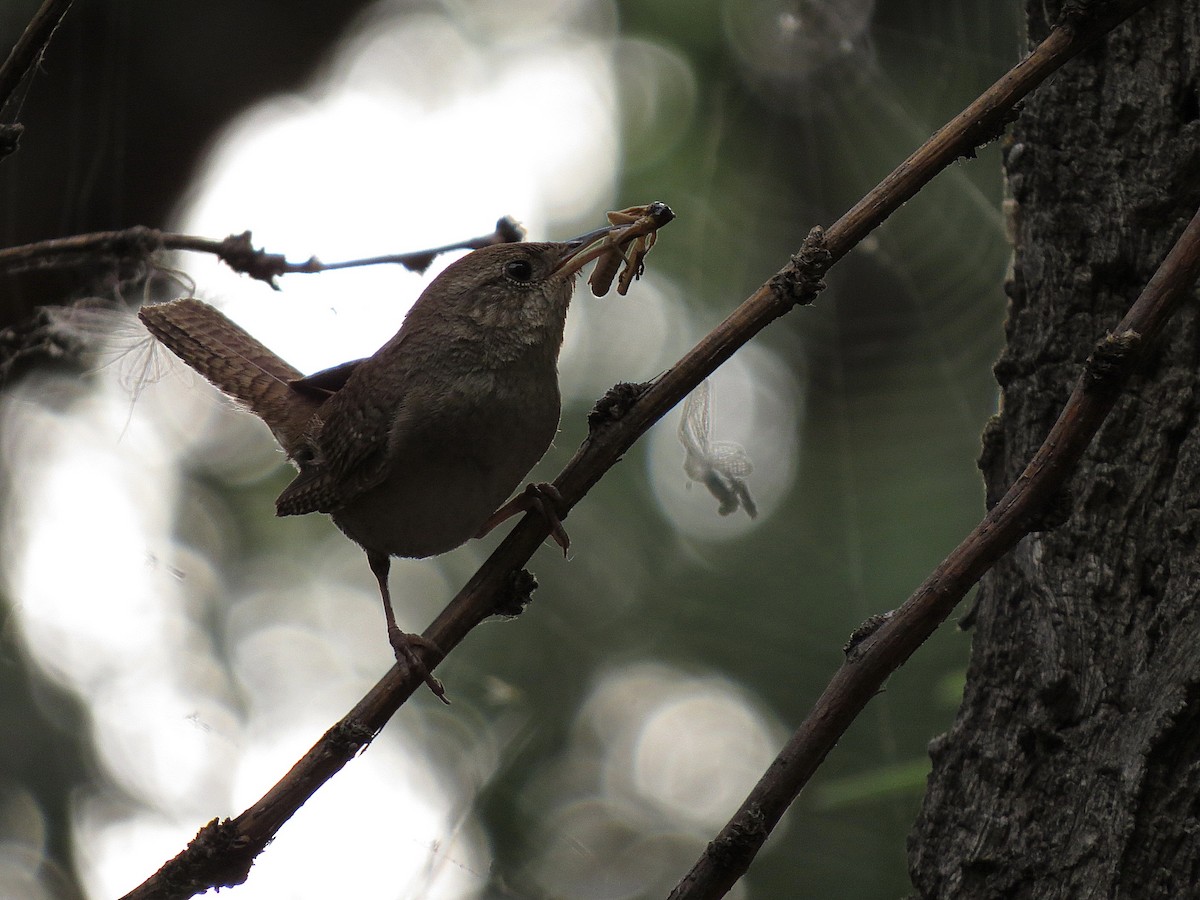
580	251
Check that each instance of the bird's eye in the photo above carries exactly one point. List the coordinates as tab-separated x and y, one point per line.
519	269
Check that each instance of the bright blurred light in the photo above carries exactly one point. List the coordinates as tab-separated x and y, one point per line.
387	815
697	757
422	136
614	338
812	47
658	759
595	851
756	402
657	90
101	477
691	747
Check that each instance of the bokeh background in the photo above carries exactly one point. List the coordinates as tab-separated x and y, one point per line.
169	648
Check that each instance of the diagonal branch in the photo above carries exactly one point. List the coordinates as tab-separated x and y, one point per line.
223	851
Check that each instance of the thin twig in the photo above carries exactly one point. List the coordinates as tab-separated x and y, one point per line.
138	244
223	851
25	53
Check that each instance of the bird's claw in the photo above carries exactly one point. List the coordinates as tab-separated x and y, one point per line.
403	645
544	499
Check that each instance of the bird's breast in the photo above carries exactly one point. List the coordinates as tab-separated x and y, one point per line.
463	463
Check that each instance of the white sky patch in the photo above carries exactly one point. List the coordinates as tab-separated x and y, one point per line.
381	165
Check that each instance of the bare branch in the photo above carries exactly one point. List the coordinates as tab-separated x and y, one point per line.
138	244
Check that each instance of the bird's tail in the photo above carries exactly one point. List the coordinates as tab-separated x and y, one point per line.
235	362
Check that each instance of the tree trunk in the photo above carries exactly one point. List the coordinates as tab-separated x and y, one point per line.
1073	769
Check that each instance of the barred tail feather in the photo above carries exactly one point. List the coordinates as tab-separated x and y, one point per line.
235	362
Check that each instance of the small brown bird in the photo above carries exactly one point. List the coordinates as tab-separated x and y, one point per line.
413	450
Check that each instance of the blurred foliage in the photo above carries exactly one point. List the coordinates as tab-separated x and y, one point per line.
873	785
894	360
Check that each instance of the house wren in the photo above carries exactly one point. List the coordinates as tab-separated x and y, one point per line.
412	450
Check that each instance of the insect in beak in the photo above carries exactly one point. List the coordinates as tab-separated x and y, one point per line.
626	239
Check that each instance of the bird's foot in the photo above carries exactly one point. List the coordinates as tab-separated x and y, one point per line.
545	500
405	645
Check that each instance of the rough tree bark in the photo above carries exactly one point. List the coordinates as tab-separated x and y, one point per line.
1073	769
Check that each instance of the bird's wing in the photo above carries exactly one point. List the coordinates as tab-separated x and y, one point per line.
317	488
361	436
